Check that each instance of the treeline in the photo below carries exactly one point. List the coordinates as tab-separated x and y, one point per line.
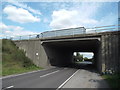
79	57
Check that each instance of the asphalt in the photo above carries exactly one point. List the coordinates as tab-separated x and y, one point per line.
57	78
86	78
51	78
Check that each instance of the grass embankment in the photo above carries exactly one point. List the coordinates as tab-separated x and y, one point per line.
113	80
14	60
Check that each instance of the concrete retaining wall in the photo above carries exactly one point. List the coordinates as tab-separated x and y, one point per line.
35	51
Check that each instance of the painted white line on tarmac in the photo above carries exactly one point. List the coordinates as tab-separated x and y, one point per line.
10	76
66	80
49	73
9	87
65	68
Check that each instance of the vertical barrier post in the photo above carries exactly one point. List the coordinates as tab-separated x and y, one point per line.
29	37
73	33
41	35
55	33
95	30
20	37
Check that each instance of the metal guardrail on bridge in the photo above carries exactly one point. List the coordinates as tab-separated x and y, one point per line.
64	32
69	31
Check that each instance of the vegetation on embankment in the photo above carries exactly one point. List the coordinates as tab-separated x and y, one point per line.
14	60
113	80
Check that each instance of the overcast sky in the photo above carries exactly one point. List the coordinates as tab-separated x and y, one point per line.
23	18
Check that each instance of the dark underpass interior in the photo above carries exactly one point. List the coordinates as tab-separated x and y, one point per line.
60	53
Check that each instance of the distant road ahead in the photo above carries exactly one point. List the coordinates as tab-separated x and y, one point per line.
51	78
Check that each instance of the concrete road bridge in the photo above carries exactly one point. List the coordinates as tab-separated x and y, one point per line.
56	48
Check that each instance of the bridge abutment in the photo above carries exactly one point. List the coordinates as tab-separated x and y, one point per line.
110	52
35	51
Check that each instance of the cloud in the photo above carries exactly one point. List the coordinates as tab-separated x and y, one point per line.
69	19
22	5
19	15
45	20
87	54
10	30
81	15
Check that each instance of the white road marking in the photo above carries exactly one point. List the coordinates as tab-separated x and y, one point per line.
10	87
66	80
65	68
49	73
10	76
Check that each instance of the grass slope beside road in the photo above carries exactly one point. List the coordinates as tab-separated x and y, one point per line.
14	60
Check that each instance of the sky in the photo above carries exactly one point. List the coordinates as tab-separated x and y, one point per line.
86	54
24	18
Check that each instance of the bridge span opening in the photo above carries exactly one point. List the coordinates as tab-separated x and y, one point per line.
83	59
60	52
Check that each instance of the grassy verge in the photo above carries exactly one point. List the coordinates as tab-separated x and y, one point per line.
113	80
18	70
14	60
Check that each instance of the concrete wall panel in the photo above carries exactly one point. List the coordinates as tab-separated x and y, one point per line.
110	52
35	51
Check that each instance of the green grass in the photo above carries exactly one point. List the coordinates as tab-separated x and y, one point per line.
113	80
17	70
14	60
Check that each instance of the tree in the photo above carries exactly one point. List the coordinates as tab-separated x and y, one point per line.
85	59
78	57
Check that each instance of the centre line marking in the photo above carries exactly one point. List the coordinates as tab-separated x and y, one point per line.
65	68
10	87
49	73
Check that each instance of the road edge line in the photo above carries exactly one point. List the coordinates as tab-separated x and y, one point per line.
67	80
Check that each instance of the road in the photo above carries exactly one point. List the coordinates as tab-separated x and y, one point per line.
51	78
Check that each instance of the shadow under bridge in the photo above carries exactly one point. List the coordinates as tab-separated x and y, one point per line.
60	52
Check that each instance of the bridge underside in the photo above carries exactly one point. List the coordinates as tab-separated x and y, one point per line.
60	53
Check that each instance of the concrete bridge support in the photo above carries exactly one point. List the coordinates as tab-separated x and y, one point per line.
110	52
97	58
